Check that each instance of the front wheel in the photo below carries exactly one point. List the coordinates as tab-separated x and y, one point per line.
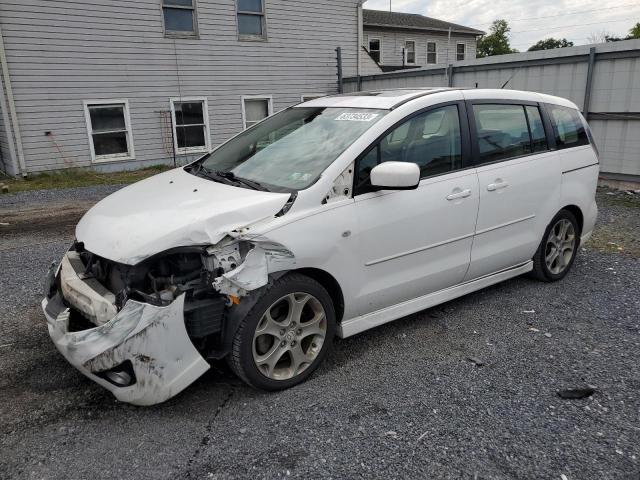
558	248
286	335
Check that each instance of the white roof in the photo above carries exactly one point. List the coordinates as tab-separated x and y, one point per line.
389	99
381	99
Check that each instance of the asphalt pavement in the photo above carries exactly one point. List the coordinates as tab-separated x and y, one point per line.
468	389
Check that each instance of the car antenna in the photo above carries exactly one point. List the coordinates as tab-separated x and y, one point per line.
510	78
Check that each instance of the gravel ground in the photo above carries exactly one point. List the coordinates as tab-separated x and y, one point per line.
464	390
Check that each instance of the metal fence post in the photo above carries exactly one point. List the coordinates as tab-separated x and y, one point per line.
587	92
339	60
450	75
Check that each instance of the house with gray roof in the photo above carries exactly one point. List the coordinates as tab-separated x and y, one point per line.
405	40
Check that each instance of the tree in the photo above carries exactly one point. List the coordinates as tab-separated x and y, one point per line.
599	37
496	42
611	38
550	43
606	37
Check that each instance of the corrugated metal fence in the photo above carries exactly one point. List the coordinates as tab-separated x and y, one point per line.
603	80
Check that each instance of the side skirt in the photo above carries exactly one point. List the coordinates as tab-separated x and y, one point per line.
359	324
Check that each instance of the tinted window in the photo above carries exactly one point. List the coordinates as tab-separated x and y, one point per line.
567	127
431	140
502	132
538	136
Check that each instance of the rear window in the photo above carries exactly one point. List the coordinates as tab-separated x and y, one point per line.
568	128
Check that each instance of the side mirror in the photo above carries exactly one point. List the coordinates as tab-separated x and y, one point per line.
396	176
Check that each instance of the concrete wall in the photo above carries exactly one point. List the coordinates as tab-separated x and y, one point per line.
614	112
65	52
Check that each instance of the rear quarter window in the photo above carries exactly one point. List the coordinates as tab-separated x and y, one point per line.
568	129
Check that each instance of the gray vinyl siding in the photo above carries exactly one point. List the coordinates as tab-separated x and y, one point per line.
393	43
65	52
368	66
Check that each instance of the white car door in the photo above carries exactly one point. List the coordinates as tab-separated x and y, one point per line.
414	242
519	178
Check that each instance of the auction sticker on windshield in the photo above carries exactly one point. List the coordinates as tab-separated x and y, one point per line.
357	117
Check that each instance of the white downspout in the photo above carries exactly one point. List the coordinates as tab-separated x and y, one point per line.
9	131
12	106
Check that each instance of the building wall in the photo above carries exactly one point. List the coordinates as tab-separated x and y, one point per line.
615	93
65	52
368	66
393	42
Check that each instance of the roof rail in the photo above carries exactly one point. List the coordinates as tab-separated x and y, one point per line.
424	94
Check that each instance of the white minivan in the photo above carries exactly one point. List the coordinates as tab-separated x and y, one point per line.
328	218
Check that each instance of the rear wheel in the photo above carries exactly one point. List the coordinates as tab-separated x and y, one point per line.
286	335
557	251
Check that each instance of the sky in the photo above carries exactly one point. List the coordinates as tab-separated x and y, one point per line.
575	20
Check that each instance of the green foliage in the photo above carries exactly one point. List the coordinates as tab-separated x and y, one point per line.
551	43
634	32
497	41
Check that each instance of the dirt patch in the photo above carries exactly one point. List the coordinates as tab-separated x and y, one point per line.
62	216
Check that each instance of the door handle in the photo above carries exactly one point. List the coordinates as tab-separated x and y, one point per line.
460	194
492	187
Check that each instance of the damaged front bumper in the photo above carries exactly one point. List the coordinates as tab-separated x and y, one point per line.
143	355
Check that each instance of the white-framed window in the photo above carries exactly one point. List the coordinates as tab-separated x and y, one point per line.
190	118
109	129
432	53
375	48
252	23
461	51
410	52
256	108
179	17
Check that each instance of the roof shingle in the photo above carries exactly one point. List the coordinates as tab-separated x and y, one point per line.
413	21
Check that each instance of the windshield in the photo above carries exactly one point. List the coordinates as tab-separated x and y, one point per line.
290	150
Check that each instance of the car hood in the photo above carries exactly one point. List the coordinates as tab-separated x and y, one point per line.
168	210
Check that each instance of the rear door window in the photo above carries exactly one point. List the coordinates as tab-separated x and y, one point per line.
502	132
567	127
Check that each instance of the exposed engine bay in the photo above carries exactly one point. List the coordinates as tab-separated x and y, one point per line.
211	278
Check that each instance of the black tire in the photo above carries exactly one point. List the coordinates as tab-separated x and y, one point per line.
541	270
241	357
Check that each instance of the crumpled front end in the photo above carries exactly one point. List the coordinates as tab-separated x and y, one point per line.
146	331
142	353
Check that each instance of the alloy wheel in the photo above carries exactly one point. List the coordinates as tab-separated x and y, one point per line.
289	336
560	247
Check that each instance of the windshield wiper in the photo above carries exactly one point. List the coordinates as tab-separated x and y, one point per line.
228	178
245	181
202	171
